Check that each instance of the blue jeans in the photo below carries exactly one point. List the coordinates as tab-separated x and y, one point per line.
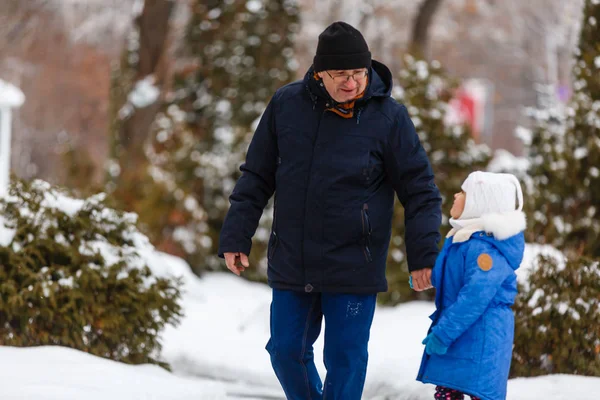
296	324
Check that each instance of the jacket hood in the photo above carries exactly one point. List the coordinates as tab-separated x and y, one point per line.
512	248
381	80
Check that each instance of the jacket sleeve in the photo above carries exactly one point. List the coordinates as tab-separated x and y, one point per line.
412	178
480	287
253	189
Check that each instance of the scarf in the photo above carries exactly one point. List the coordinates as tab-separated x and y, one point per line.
462	229
459	224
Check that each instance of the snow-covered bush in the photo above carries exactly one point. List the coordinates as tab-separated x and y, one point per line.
558	314
557	324
70	275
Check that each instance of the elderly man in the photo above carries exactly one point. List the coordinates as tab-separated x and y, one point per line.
333	148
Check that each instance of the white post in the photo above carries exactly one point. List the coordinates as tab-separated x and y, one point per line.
10	97
5	124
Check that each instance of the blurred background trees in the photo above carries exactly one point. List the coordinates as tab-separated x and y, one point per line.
154	102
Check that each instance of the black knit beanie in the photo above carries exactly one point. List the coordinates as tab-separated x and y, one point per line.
341	46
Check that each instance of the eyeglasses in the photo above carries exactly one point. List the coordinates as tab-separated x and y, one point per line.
357	77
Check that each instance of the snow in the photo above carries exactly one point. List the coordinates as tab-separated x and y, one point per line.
226	328
59	373
504	161
214	13
217	352
553	387
68	205
237	328
144	93
254	6
524	134
580	153
529	263
422	70
6	234
10	96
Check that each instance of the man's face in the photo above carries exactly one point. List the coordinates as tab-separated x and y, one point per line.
345	84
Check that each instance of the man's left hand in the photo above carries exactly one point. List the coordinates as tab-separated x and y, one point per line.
421	279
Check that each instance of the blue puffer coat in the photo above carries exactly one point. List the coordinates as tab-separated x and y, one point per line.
334	181
476	287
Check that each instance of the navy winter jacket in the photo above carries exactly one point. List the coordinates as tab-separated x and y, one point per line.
334	180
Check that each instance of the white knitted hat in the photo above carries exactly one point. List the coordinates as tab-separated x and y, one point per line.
488	193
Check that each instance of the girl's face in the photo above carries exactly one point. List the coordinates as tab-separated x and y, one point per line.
459	205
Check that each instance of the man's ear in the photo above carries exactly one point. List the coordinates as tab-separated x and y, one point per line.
320	74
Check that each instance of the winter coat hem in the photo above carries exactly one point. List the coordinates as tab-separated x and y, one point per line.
455	387
331	288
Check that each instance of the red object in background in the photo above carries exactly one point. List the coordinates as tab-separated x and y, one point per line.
464	105
467	107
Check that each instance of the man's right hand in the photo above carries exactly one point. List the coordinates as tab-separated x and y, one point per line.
236	262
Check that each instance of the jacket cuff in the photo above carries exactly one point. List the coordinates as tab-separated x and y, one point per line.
417	268
244	248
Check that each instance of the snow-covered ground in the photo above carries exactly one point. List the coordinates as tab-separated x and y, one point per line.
217	352
227	326
59	373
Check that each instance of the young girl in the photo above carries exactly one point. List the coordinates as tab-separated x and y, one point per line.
469	345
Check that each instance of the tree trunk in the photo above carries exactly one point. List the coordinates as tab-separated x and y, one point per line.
153	27
420	29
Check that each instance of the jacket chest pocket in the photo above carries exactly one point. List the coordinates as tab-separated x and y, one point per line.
352	159
294	148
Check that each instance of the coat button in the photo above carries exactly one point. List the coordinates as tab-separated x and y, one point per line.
308	288
327	105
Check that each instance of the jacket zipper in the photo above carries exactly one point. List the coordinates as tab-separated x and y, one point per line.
274	246
366	226
274	233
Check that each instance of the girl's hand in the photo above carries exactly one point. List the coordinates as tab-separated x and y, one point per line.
433	345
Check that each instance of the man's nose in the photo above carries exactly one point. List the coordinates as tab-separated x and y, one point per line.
350	83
